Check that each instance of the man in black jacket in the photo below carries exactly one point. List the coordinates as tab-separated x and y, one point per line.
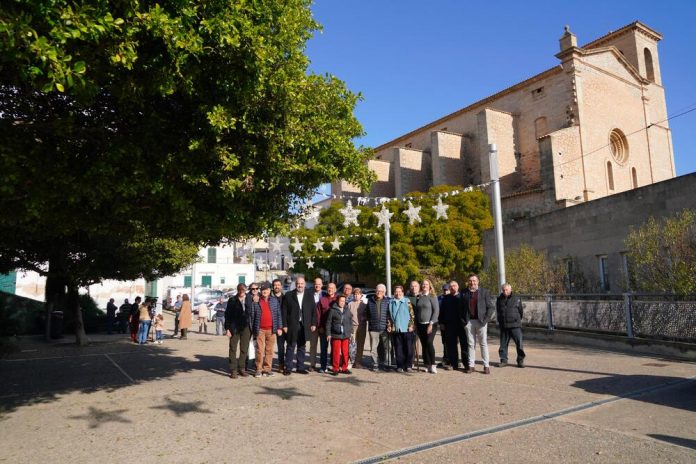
509	311
238	330
452	328
299	314
477	310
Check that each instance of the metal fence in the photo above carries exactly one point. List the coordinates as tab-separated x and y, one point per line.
657	316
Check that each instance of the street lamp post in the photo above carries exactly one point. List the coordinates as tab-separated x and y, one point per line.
497	213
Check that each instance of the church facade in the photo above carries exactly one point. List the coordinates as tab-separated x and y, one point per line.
593	126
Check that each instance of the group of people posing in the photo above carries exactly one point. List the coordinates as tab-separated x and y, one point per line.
397	327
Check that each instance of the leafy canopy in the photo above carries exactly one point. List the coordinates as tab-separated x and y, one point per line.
155	126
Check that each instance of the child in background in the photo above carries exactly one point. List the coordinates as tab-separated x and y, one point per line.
159	327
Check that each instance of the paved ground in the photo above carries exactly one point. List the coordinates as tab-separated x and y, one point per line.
118	402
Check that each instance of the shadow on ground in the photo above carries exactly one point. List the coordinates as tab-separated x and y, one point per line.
685	442
44	374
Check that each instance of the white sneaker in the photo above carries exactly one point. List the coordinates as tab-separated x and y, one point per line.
433	369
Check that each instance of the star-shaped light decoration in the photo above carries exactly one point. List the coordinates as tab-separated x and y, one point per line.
312	213
413	213
383	216
290	262
275	245
296	246
350	214
318	245
244	259
440	209
336	244
310	264
260	262
274	263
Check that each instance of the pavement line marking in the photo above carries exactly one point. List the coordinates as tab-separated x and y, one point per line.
515	424
119	368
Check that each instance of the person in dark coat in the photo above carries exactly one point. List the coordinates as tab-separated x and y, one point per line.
339	330
238	319
134	319
509	312
277	293
477	310
110	315
299	315
453	329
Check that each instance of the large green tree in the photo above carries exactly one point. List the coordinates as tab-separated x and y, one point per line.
126	123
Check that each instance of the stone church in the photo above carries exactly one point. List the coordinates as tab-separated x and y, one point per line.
591	127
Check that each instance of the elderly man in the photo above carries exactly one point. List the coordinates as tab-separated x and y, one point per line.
477	310
314	336
238	319
299	316
509	311
377	310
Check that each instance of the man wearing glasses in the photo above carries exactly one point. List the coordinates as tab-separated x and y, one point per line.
314	337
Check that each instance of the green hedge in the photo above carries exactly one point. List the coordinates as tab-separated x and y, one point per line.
24	316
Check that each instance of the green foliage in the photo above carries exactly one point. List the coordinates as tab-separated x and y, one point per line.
134	132
528	271
436	249
663	254
19	315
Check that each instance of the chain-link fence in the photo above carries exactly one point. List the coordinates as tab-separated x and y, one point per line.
658	316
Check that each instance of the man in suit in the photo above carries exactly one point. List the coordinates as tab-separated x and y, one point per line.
238	317
476	310
299	322
452	325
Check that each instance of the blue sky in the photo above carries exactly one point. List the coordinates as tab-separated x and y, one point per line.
415	61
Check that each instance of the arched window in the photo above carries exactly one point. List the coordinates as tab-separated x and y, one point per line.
649	70
610	175
540	128
634	176
619	146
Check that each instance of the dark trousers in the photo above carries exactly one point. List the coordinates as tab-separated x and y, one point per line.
176	323
403	347
427	341
505	336
239	338
324	356
109	324
455	335
280	341
299	344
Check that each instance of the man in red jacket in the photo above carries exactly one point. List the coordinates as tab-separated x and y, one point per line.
323	308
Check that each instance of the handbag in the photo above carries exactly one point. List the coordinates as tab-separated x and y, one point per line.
251	352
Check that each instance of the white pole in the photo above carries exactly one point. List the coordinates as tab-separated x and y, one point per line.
497	213
387	250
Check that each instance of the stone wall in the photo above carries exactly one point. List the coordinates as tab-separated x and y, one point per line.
598	228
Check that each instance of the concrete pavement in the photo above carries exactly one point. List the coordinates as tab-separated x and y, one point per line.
114	401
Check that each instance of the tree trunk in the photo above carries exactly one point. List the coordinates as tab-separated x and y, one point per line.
73	305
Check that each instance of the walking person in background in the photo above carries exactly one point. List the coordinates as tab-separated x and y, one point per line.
185	316
203	317
110	316
427	313
144	321
339	330
266	324
509	312
177	311
123	316
220	317
135	319
400	325
478	309
238	330
159	328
